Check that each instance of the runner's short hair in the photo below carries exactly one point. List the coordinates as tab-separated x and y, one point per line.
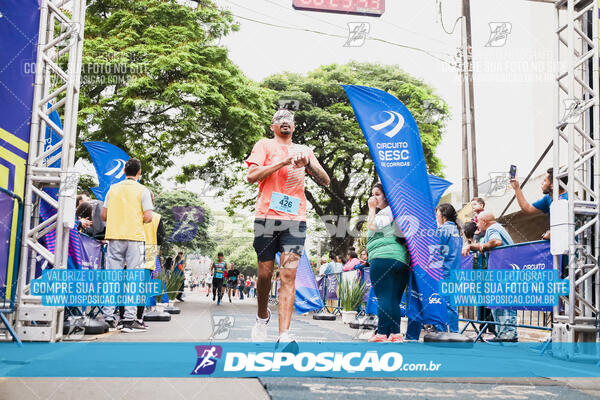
220	254
283	116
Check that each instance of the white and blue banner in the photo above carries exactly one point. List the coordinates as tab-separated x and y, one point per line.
109	161
395	145
220	359
308	297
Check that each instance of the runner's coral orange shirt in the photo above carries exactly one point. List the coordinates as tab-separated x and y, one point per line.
280	195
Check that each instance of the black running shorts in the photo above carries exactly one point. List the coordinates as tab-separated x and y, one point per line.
276	235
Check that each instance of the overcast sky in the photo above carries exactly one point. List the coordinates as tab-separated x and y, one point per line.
513	83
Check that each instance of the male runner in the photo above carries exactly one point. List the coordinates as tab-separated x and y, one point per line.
218	272
279	166
232	280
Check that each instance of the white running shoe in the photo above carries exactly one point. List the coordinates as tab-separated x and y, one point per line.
259	331
287	344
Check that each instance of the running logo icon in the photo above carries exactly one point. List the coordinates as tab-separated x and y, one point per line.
499	32
393	117
207	359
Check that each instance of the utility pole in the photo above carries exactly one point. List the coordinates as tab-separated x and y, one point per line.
471	102
465	141
469	154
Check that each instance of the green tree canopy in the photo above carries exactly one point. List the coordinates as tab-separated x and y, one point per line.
155	83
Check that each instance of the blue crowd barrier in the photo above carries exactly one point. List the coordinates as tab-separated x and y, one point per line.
528	255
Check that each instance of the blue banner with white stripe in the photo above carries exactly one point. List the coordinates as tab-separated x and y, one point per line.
395	145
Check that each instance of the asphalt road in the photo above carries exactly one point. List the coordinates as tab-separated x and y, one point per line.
197	323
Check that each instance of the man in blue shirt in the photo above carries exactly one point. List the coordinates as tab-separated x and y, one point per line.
494	236
543	204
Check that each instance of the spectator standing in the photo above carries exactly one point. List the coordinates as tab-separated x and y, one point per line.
232	280
543	204
247	286
83	216
389	266
494	236
478	206
154	236
450	243
323	266
208	280
127	207
253	287
352	262
338	265
364	258
241	285
483	312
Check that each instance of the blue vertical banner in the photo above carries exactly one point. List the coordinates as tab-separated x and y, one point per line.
19	26
395	144
109	161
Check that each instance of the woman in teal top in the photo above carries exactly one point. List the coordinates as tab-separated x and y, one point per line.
389	261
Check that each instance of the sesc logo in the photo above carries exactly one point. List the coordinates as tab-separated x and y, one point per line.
435	299
207	359
395	117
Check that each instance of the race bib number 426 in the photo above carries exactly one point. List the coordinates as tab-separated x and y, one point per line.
283	202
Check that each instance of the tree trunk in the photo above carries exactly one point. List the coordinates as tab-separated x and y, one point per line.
340	245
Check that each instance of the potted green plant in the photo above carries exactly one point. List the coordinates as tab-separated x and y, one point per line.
170	282
350	293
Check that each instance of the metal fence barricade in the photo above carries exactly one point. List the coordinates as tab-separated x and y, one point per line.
529	255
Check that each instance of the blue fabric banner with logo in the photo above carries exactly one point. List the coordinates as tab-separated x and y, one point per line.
91	252
332	284
395	144
527	256
108	161
307	292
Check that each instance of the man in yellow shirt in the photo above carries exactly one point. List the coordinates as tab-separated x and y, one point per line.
127	207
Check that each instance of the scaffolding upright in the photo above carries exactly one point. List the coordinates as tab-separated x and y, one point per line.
577	139
60	43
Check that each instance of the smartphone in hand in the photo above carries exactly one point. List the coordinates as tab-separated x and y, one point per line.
513	172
